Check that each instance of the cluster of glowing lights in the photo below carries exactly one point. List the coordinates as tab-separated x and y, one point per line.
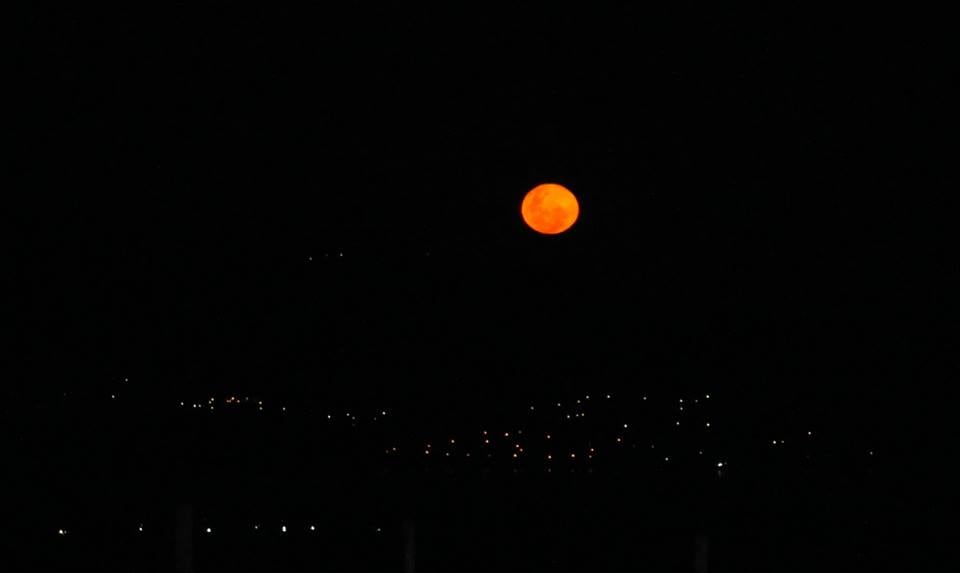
516	449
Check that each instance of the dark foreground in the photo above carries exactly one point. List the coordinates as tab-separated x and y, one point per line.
500	521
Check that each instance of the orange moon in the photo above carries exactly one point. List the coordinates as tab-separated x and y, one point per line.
550	208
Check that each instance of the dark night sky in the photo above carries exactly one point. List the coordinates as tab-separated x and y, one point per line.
750	216
318	210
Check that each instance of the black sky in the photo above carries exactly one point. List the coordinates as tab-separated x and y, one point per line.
750	218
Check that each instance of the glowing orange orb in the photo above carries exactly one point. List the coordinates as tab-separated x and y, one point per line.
550	208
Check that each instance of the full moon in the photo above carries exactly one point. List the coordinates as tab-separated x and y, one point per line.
550	208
